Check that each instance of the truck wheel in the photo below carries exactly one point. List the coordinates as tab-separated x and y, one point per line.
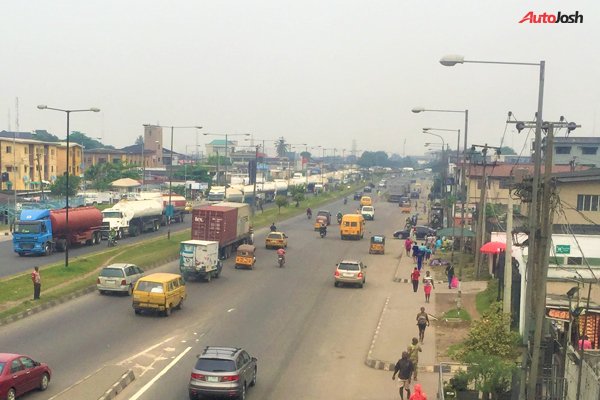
133	231
208	277
156	226
119	234
47	249
167	311
97	238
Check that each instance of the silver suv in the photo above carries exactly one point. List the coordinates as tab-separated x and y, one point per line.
222	372
352	272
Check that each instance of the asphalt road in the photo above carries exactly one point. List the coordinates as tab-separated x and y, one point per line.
309	337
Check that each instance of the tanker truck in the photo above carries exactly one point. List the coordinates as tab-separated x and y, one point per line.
178	204
132	217
43	232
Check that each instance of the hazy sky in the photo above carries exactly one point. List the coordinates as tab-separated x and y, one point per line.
318	72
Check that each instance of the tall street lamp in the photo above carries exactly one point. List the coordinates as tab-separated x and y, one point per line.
226	147
541	270
68	112
169	211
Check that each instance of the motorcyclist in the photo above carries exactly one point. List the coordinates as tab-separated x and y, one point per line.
345	200
281	253
309	212
339	217
112	237
323	229
273	227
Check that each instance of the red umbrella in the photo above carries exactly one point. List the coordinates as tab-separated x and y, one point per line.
493	247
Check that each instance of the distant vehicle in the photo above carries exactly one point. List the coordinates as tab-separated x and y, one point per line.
222	372
133	217
120	277
20	374
407	169
357	195
276	240
326	214
351	272
422	232
367	189
160	292
368	212
199	259
414	194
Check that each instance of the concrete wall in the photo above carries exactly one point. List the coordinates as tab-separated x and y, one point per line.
590	386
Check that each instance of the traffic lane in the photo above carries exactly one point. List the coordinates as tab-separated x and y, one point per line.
15	264
309	317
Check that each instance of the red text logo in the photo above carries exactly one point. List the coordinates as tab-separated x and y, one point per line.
547	18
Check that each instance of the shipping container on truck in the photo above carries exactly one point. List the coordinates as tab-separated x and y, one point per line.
226	223
43	232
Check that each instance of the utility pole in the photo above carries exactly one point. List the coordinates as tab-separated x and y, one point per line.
508	259
480	232
541	213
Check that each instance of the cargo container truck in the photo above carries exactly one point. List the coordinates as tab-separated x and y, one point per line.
42	232
226	223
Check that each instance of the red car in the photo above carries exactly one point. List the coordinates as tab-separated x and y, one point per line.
20	374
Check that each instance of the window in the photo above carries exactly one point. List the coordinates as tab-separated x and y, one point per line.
504	183
589	150
27	362
587	202
9	149
15	366
112	273
563	149
574	261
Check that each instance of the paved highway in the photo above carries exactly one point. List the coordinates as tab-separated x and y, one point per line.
309	337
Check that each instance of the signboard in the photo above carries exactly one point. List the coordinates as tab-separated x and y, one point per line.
563	249
170	211
557	314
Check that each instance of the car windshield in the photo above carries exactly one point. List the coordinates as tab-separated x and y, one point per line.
215	365
153	287
112	272
111	214
27	228
325	213
348	266
274	236
366	208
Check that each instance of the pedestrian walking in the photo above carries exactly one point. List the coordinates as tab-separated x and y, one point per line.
418	394
415	250
414	278
37	283
428	253
450	274
422	323
413	354
404	368
420	257
428	285
408	246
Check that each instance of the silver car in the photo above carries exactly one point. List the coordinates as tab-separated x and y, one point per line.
350	272
119	277
222	372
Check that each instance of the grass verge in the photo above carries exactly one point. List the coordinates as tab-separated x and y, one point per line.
484	299
456	313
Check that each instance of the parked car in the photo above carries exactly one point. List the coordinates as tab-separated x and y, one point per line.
422	232
350	272
276	240
222	372
20	374
119	277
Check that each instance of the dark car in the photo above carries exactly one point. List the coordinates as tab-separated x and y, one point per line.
20	374
222	372
368	189
422	232
357	195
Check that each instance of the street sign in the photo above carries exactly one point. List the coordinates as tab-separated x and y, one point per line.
563	249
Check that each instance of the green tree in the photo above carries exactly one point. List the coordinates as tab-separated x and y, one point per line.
507	151
59	187
84	140
373	158
281	147
297	193
212	160
139	140
197	173
281	201
489	374
306	154
102	175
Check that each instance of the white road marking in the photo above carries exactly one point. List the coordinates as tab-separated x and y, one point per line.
125	361
159	375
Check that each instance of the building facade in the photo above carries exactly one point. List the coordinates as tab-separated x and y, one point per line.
577	151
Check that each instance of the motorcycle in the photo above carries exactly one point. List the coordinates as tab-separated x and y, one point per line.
112	242
280	261
339	219
323	233
308	215
345	200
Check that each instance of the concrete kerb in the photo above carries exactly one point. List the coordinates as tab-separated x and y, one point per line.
118	386
68	297
370	361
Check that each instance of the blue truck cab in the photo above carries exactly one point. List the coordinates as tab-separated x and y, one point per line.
33	233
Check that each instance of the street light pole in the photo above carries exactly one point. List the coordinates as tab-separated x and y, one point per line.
68	112
226	147
533	269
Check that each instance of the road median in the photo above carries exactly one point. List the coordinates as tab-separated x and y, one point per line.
104	384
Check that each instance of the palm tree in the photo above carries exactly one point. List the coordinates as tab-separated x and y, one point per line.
281	147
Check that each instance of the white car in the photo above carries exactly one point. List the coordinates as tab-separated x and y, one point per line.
119	277
368	212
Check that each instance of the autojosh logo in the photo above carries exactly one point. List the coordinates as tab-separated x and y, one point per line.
547	18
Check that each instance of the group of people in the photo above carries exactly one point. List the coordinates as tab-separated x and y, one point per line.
428	284
407	366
